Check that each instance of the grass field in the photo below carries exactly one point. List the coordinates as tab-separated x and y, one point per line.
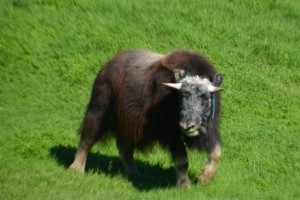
51	50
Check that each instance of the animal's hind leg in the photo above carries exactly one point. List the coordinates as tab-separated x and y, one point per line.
126	155
81	154
85	144
92	127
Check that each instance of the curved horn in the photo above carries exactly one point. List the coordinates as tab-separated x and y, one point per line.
214	89
173	85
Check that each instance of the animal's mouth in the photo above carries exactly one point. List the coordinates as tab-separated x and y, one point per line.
191	134
192	131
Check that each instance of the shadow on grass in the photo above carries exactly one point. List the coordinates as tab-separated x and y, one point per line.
152	176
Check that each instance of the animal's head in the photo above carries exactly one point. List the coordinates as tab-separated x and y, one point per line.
196	99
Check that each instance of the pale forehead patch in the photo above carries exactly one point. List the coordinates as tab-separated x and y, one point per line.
196	80
204	83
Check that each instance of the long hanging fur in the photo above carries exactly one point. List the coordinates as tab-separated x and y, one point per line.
129	101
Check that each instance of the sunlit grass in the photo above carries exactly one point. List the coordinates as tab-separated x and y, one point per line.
50	54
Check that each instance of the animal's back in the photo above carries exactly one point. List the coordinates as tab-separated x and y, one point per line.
130	65
141	58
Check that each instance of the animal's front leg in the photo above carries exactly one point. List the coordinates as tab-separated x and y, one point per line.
180	159
181	168
210	169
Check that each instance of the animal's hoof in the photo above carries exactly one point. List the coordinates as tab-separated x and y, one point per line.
183	183
76	167
207	174
186	186
204	179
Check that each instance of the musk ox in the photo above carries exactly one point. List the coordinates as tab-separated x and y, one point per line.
140	97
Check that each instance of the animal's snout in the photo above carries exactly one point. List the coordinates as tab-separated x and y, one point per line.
188	126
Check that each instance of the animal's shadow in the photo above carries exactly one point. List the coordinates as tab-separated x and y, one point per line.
152	176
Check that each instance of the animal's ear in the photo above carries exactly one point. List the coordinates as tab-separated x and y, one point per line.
179	74
217	79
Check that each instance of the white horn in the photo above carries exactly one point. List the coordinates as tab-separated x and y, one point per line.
173	85
214	89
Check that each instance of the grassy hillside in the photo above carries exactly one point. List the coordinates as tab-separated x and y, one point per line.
51	51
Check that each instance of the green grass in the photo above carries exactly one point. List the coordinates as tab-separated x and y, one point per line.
51	51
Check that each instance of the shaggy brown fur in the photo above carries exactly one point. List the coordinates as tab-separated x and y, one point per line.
129	100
